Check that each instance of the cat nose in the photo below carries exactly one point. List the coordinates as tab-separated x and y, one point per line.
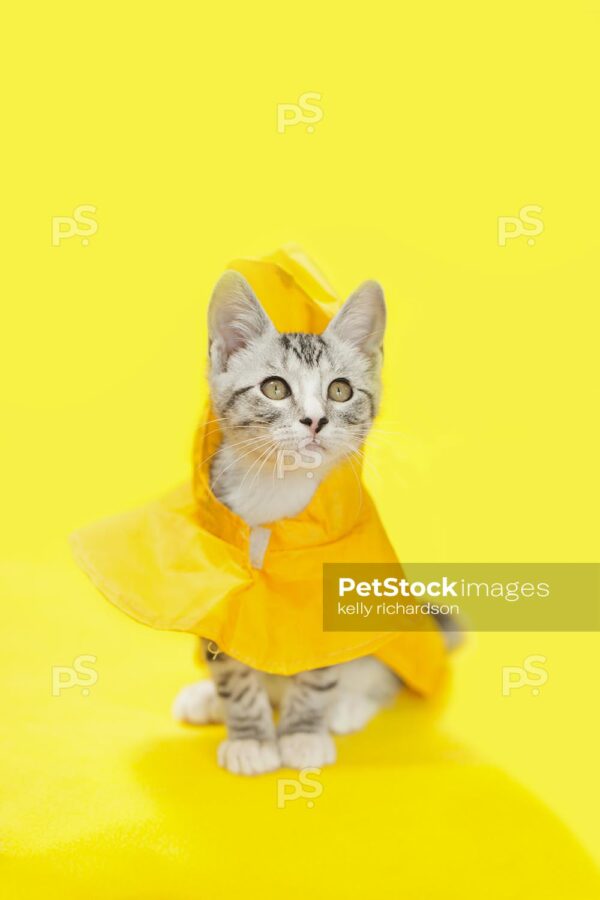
315	425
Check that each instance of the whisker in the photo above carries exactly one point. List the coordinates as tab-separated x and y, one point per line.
358	480
259	470
362	457
255	462
236	460
238	444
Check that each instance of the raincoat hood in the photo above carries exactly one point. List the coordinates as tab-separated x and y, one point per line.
188	563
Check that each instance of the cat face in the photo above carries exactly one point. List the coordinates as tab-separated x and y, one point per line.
296	400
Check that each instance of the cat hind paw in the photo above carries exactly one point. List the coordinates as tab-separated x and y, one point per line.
198	704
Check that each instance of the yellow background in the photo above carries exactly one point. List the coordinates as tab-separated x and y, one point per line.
437	119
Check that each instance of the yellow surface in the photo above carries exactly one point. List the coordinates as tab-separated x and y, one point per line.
437	119
106	797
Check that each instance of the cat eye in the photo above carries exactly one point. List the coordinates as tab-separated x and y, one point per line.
339	390
275	388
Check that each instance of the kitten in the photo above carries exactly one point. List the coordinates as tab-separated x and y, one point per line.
278	394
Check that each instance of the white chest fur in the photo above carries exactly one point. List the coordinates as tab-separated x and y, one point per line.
265	496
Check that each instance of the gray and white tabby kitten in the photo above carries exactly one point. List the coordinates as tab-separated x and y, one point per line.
278	394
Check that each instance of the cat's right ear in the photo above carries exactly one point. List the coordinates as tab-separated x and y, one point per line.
235	318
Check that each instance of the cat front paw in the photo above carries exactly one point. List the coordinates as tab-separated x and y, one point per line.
303	750
248	757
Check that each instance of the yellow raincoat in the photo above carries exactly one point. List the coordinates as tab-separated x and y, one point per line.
188	563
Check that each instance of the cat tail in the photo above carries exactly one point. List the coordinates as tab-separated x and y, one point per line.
452	630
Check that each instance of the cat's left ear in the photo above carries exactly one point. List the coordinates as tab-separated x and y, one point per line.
235	318
361	320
